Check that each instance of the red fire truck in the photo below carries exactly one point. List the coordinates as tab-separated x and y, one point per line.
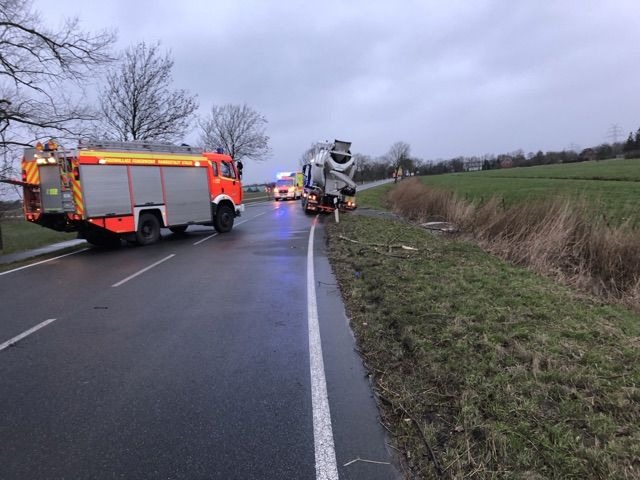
111	190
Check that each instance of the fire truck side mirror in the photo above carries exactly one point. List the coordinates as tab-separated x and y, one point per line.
239	166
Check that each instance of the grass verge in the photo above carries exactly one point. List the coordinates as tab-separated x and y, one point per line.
19	235
556	237
374	197
485	369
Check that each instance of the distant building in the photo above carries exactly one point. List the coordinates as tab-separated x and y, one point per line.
472	164
587	155
505	161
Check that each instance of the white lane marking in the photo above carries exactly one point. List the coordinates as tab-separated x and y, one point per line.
255	204
143	270
236	224
255	216
17	338
205	238
43	261
326	468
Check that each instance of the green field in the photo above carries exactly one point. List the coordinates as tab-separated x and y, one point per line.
252	197
610	187
615	169
18	235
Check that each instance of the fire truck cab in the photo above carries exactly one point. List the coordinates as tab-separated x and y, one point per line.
108	190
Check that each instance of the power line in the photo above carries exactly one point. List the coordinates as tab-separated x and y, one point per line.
574	147
614	132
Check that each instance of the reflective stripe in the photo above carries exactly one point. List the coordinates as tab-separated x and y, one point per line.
139	156
77	196
33	175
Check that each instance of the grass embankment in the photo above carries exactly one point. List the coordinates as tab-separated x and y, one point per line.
374	197
485	369
558	237
610	188
19	235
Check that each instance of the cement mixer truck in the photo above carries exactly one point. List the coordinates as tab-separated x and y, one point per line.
328	178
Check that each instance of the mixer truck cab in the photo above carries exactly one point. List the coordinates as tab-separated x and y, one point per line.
328	178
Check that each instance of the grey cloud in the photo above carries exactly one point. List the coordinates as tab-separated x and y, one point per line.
449	78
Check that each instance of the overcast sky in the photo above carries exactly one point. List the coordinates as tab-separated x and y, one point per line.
449	78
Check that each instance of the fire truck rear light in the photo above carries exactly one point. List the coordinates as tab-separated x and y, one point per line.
41	161
24	175
76	173
51	160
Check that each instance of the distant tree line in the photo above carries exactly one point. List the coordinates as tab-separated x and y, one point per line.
398	162
519	158
632	145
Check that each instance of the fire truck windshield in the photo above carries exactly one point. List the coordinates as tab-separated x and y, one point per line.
284	182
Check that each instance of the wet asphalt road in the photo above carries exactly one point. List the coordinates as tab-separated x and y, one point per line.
197	368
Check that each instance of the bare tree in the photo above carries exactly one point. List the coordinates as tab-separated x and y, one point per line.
308	155
238	129
138	102
39	67
397	156
37	64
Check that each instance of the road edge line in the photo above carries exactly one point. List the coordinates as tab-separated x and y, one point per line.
325	454
43	261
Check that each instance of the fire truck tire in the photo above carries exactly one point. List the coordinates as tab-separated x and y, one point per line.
148	229
223	222
179	229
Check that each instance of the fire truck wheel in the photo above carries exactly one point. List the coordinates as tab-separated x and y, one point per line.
178	230
148	229
224	219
